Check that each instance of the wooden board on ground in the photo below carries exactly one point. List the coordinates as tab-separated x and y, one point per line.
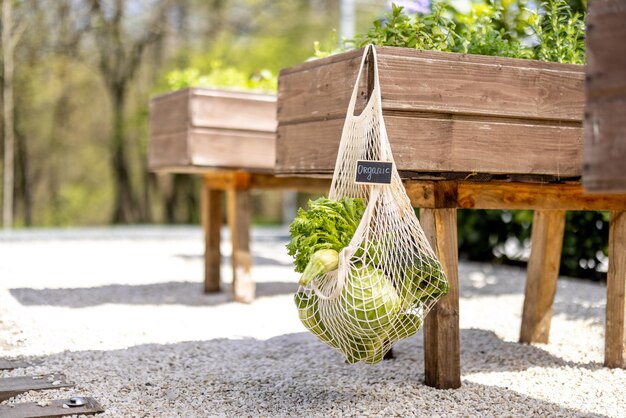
11	386
50	409
444	112
605	126
12	364
196	128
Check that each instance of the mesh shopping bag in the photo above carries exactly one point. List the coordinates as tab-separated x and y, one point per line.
387	277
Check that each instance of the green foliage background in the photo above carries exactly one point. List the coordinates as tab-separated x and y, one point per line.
63	175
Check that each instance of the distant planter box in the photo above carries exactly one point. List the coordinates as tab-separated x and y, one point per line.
196	128
447	114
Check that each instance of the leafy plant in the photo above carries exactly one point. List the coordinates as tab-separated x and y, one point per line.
219	76
560	32
502	28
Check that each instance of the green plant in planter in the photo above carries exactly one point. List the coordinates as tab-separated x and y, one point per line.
506	28
219	76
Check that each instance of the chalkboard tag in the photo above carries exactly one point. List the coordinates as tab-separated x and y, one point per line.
373	172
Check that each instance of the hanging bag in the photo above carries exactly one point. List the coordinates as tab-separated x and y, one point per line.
388	277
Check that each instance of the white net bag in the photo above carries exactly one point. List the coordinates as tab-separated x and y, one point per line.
362	293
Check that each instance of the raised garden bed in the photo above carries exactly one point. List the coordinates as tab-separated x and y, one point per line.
196	129
448	115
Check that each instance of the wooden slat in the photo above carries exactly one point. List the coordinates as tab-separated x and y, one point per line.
605	145
493	87
605	126
169	113
169	152
543	271
232	110
319	90
212	223
12	364
227	179
615	338
213	148
442	353
239	216
51	409
453	144
606	49
11	386
505	195
302	184
438	82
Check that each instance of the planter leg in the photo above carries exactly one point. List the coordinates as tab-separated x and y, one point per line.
543	271
212	223
239	224
615	337
442	352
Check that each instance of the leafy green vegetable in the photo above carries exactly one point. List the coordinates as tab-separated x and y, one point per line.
321	262
369	302
424	280
327	224
309	316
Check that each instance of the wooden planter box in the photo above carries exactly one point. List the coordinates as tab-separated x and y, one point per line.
447	115
197	129
605	123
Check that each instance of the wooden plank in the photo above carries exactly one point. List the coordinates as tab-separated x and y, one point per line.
543	271
227	179
11	386
239	216
447	144
242	150
447	83
12	364
232	110
493	87
301	184
606	49
212	216
605	127
319	90
615	338
169	113
168	151
516	195
605	146
442	352
50	409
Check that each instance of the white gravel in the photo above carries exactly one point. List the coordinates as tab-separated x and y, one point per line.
121	313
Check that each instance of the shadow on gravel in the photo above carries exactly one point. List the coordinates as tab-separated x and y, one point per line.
576	299
295	375
257	260
170	293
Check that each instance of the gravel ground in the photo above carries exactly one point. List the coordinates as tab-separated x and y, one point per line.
121	313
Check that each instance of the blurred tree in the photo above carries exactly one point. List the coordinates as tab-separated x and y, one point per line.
120	51
12	30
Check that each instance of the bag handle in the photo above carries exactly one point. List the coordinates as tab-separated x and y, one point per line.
369	49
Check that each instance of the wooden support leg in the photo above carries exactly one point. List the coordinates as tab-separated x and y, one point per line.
239	224
543	271
442	345
212	222
615	337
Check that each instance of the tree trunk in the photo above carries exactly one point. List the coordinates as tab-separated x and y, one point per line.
24	178
9	132
124	200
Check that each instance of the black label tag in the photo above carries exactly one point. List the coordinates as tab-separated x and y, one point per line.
377	172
